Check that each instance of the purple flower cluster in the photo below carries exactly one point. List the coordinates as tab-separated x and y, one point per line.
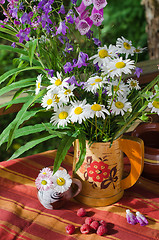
85	21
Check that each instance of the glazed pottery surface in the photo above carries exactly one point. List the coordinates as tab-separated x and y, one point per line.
102	170
54	200
149	133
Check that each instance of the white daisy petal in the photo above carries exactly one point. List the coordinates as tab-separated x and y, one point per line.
61	181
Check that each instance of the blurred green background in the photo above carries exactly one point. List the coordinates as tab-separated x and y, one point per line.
121	18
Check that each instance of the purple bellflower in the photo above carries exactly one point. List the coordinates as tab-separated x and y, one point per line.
138	71
23	34
25	19
2	1
97	16
62	10
82	57
68	67
87	2
62	28
99	4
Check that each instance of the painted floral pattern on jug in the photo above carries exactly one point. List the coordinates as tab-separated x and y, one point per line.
99	174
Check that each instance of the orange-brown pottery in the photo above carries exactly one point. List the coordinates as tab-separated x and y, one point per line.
101	173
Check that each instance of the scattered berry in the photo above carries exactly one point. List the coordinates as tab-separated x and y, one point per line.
70	229
101	230
81	212
102	222
94	225
85	228
88	220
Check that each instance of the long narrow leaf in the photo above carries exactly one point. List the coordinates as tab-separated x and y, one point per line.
32	48
28	130
15	101
4	135
30	145
82	144
19	118
20	84
63	148
10	48
17	70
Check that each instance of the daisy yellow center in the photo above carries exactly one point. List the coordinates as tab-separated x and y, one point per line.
78	110
137	50
67	91
103	53
119	105
92	84
127	46
156	104
44	173
60	181
58	82
49	101
98	80
96	107
39	85
43	182
133	84
63	115
120	65
115	88
56	98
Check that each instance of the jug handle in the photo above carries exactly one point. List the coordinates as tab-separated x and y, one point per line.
133	147
78	187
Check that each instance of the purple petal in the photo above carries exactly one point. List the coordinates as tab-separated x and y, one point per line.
98	4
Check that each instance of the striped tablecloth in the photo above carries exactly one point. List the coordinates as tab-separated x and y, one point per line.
23	217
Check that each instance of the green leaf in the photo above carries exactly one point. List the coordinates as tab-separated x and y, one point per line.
57	131
82	144
63	148
20	84
17	70
30	145
19	118
27	130
32	48
10	48
6	131
10	32
15	101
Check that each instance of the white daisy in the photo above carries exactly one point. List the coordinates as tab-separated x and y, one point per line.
133	84
120	106
139	49
104	53
121	89
46	171
43	182
154	105
93	83
61	181
97	110
78	111
57	82
47	101
65	93
118	66
125	46
38	84
61	116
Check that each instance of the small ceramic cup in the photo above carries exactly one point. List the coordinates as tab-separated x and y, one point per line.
54	200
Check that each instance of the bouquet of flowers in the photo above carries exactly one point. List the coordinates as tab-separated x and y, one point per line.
84	85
